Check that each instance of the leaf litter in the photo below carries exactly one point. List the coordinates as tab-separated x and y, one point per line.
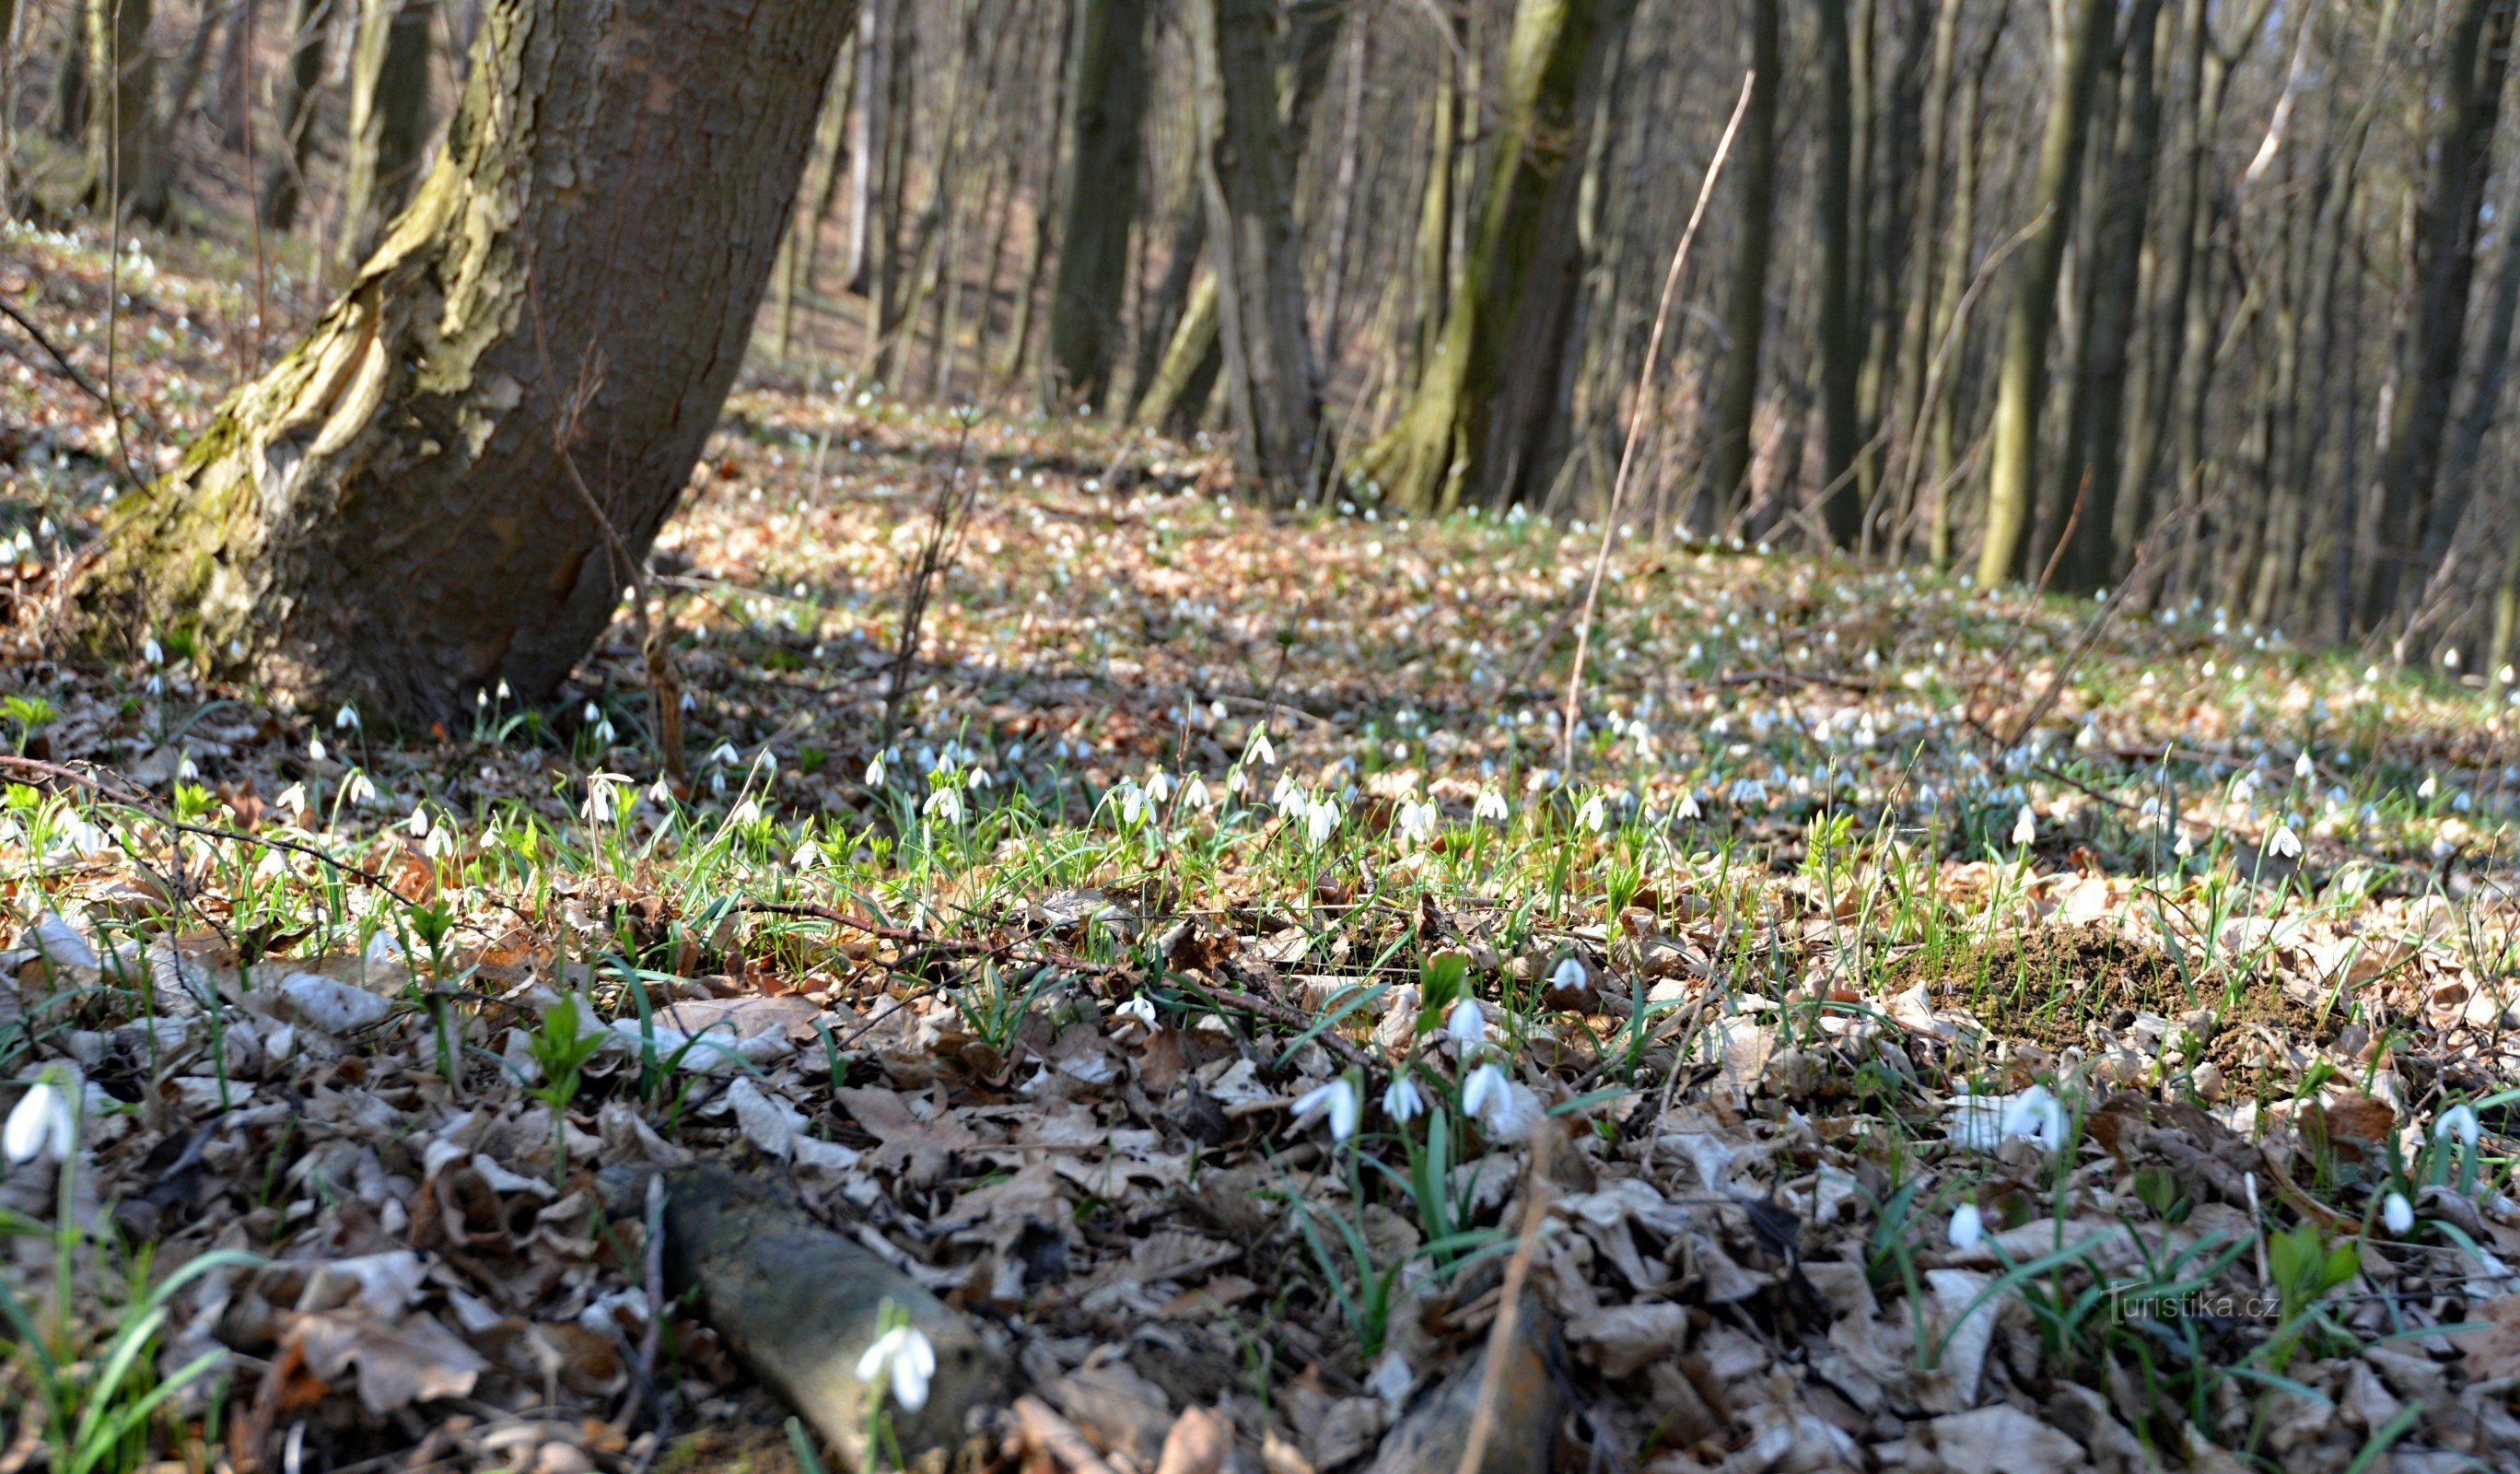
1899	1044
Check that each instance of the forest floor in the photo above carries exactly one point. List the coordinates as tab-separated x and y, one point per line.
1911	1028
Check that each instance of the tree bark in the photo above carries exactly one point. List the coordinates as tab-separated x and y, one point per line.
1245	170
1841	341
1746	311
1440	450
286	182
2099	414
447	485
121	136
389	120
1093	276
2021	378
2475	54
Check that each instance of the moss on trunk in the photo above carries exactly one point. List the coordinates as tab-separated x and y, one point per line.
389	514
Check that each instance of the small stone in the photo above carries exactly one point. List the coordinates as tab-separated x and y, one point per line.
2209	1081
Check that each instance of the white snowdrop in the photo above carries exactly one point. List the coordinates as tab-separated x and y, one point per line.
1340	1099
1968	1227
2025	827
904	1356
2398	1214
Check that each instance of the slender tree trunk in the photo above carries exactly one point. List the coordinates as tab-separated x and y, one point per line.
2021	380
794	274
1093	276
2099	411
1245	170
2465	449
68	120
1941	409
121	135
867	151
389	118
234	90
1178	394
1326	336
405	509
1434	258
1841	342
2475	54
286	182
1745	312
1166	306
1046	196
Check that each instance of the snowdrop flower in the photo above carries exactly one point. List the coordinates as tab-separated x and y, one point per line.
1158	787
591	715
1288	794
808	856
2459	1121
348	717
1195	792
152	652
1968	1227
2429	787
1133	802
1417	822
603	803
293	798
1485	1087
1688	808
42	1124
1237	781
1141	1008
874	772
1339	1099
503	692
745	813
2036	1115
1322	821
945	803
1467	1026
905	1354
2025	827
1593	815
1569	976
1489	806
1400	1100
361	792
2301	766
660	793
315	750
419	825
1261	752
2185	847
603	731
2283	844
725	754
2398	1213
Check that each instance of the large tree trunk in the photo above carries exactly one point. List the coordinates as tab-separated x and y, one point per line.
1440	449
1746	311
1092	277
2475	53
1247	172
442	487
389	120
2021	380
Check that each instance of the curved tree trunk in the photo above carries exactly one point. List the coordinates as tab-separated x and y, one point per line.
389	118
1092	277
405	509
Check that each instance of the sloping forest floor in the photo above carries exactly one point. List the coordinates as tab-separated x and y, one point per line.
1913	1029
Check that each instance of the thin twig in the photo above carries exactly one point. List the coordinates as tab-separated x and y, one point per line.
1637	421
